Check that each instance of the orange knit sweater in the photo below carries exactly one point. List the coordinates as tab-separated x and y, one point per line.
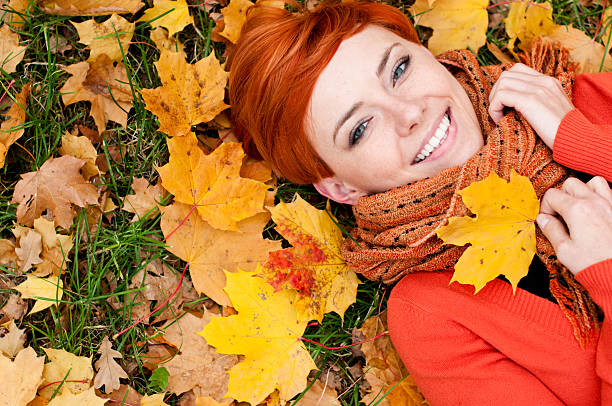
495	348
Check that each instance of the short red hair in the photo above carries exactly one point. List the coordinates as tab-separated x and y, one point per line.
273	70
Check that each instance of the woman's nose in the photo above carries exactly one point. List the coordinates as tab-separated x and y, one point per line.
408	116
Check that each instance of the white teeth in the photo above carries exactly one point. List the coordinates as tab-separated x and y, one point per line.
435	141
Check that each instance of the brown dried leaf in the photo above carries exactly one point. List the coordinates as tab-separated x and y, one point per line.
91	81
14	309
13	10
82	148
56	186
109	371
10	51
8	256
319	395
12	127
89	7
29	250
197	366
145	200
125	394
157	354
384	368
12	342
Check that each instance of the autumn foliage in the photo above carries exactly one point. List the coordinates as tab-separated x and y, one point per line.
232	280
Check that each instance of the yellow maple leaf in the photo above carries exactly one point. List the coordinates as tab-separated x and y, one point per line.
175	15
526	21
314	265
234	16
153	400
12	128
163	40
267	332
190	94
104	37
210	251
212	182
47	289
502	235
582	49
456	24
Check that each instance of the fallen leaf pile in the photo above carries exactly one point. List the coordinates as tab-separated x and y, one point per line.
215	304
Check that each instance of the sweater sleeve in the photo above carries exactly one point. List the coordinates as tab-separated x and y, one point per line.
454	366
584	138
597	279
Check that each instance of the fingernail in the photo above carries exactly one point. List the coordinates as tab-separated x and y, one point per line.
542	220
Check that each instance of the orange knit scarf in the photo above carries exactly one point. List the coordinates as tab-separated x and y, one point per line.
395	232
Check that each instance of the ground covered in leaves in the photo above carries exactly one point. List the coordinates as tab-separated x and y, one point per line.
144	260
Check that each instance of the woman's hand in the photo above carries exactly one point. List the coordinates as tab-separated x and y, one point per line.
538	97
586	236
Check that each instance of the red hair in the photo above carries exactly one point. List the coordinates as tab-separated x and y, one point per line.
273	70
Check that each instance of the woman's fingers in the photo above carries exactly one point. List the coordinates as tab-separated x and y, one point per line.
600	185
553	229
576	188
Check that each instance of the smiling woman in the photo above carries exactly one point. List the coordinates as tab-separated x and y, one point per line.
346	98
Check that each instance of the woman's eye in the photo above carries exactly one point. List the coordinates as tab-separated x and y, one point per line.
399	69
357	133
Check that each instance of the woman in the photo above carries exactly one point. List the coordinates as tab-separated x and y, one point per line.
346	98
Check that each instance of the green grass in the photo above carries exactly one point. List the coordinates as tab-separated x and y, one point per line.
108	251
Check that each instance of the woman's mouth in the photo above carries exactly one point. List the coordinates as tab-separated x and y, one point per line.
433	147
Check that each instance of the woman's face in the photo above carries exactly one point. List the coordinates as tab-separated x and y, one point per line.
377	116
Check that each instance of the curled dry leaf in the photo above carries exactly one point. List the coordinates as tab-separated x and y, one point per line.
8	256
212	182
10	51
20	377
94	82
67	368
12	127
105	37
456	24
190	93
87	398
14	309
267	331
125	394
175	15
319	395
234	16
163	40
314	265
81	147
56	186
109	371
197	366
13	341
144	202
89	7
210	251
46	291
29	250
384	368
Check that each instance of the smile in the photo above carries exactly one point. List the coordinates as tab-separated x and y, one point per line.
437	140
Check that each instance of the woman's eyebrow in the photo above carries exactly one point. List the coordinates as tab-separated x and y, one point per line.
385	59
345	117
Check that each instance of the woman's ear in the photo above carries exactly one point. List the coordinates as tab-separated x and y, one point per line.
336	190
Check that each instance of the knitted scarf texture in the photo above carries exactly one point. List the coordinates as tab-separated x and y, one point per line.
395	230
